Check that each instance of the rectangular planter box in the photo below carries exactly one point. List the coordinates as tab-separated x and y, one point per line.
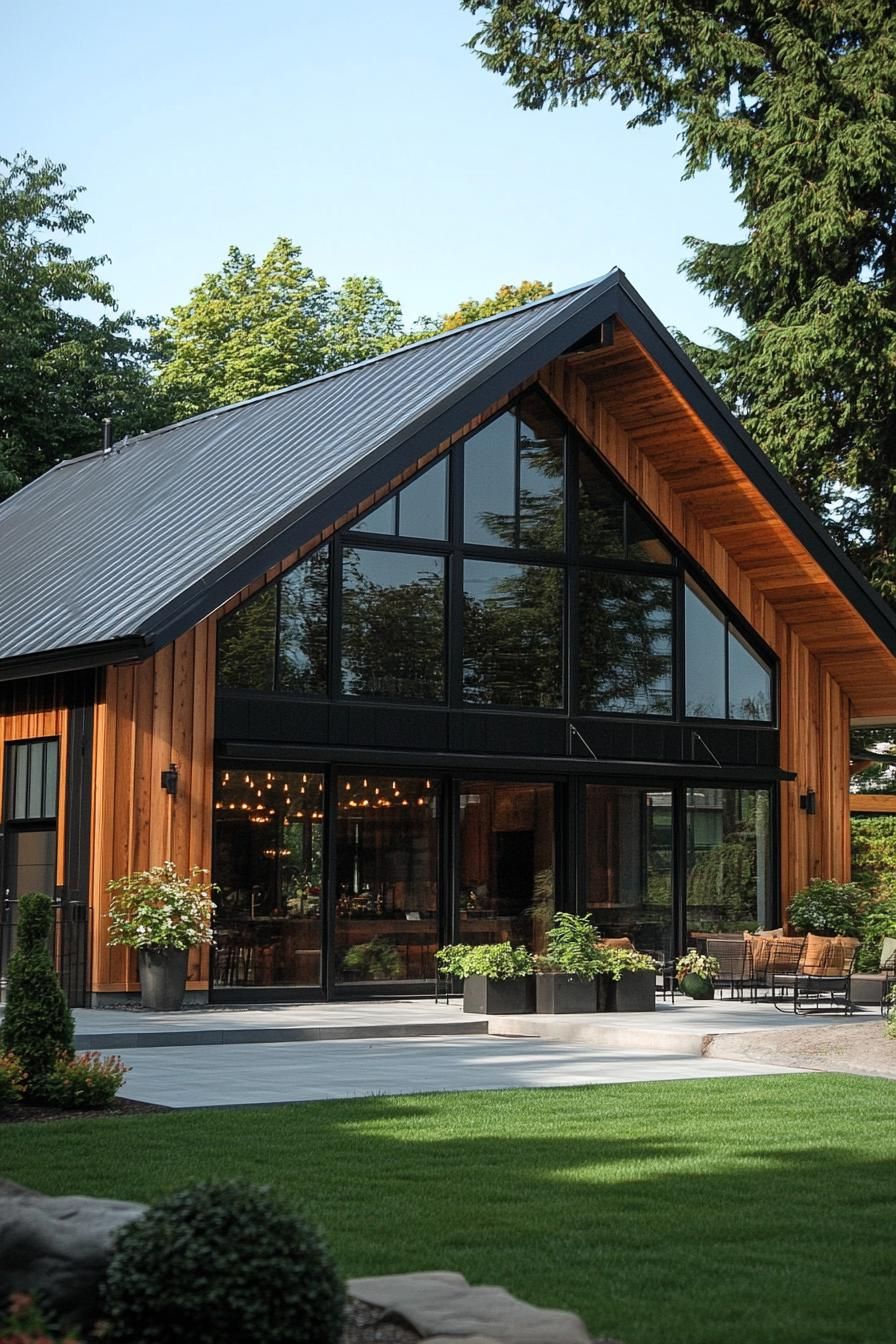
499	996
634	993
565	994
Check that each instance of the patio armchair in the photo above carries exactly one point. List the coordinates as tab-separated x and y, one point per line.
821	979
872	987
735	964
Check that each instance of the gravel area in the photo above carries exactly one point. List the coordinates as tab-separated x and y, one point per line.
842	1047
362	1327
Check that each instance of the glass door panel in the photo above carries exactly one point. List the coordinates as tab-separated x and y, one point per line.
507	862
729	874
387	880
269	873
628	864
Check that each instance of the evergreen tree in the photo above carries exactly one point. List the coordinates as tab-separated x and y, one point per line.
37	1023
798	102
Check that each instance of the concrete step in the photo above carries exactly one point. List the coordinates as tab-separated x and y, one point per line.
110	1039
605	1030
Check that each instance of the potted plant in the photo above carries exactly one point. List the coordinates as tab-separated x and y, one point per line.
694	973
630	980
498	978
566	976
162	916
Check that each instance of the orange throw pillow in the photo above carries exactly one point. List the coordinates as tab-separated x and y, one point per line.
616	942
817	956
760	950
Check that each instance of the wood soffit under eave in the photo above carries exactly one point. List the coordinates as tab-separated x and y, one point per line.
712	488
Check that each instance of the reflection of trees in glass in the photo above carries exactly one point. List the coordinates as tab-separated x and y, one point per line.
513	621
625	643
304	596
393	618
515	483
730	879
246	644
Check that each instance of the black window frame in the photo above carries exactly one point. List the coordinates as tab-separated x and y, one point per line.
572	564
45	820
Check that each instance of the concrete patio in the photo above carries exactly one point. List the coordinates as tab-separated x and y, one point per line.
304	1052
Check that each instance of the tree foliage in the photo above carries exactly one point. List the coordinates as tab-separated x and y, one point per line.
61	370
798	102
505	298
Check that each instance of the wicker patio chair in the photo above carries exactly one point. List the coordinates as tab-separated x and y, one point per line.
731	954
784	960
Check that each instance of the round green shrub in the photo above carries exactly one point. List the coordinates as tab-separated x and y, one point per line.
698	987
222	1261
37	1025
828	908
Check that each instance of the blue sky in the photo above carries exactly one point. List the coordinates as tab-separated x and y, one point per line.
365	132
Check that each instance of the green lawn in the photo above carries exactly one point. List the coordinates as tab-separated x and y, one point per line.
753	1209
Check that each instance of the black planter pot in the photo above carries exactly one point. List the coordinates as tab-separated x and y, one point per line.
635	992
163	977
499	996
565	994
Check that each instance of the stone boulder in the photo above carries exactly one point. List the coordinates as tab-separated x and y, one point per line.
442	1305
57	1249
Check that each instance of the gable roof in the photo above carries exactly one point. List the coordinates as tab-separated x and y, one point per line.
109	557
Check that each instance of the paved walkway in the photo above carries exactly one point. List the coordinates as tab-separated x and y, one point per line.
316	1071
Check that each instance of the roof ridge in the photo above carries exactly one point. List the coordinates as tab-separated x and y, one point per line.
130	440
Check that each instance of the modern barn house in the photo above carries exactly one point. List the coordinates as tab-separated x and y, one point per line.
514	619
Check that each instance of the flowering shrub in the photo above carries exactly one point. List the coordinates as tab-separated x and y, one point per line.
159	909
696	963
829	908
13	1079
24	1324
83	1081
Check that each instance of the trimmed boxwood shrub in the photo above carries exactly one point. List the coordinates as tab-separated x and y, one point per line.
222	1261
37	1026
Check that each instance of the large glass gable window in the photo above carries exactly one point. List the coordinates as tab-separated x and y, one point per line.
515	571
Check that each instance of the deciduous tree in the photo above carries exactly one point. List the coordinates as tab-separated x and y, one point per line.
61	369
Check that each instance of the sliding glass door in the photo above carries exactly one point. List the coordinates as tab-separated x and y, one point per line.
386	880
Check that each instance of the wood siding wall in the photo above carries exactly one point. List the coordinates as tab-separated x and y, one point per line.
151	714
814	711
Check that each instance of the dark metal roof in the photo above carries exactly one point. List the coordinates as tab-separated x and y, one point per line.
135	545
108	557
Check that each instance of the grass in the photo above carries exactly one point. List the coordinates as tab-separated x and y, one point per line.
760	1209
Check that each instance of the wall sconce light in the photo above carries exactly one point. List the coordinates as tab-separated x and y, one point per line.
808	802
169	780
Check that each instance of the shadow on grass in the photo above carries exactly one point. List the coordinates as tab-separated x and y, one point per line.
756	1210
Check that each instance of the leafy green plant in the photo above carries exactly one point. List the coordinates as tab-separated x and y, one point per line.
570	947
696	963
613	961
874	854
156	908
376	960
37	1025
451	960
827	907
13	1080
83	1081
496	961
24	1324
891	1012
878	923
222	1261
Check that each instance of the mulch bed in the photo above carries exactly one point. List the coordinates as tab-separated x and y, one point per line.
19	1115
